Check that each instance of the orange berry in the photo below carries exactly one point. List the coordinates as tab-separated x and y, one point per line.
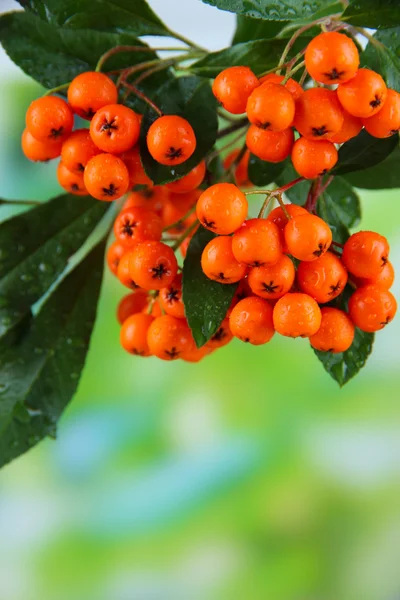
271	106
77	150
371	308
195	355
154	308
336	333
322	279
106	177
131	304
169	338
219	263
150	197
278	217
307	237
170	213
171	140
350	128
257	243
171	298
242	169
153	265
232	88
222	208
49	118
365	254
137	225
137	175
115	128
364	95
134	332
188	182
291	85
39	151
251	321
319	114
272	281
114	255
71	182
332	57
272	146
90	91
124	272
185	201
387	121
384	279
312	158
296	315
221	337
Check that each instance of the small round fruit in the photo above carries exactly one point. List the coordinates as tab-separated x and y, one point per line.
115	128
233	86
49	118
137	175
171	140
319	114
188	182
365	254
350	128
323	279
134	332
271	106
387	121
222	208
371	308
241	173
39	151
131	304
257	243
221	337
251	321
195	355
384	279
137	225
90	91
123	271
332	57
313	158
169	338
336	333
218	262
114	254
307	237
77	150
364	95
273	281
296	315
291	85
171	298
150	197
71	182
272	146
278	217
153	265
106	177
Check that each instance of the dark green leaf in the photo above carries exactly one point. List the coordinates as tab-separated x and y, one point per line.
385	175
248	29
263	173
35	248
206	301
373	13
364	151
191	98
40	374
275	10
119	16
339	206
299	192
384	56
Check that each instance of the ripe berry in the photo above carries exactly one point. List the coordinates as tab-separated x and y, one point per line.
171	140
278	217
131	304
90	91
384	279
77	150
242	169
336	333
39	151
124	272
115	128
219	263
387	121
106	177
291	85
137	225
233	86
296	315
322	279
271	106
364	95
153	265
272	146
371	308
312	158
350	128
114	255
319	114
150	197
169	337
365	254
257	243
154	308
71	182
273	281
221	337
188	182
222	208
307	237
134	332
195	355
332	57
171	298
49	119
137	175
251	321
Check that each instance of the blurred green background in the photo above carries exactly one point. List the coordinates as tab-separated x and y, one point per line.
249	476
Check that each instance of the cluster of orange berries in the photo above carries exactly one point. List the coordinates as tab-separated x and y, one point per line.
323	116
277	296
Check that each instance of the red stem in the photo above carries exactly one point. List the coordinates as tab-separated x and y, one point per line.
289	185
139	94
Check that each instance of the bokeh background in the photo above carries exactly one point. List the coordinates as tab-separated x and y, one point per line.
249	476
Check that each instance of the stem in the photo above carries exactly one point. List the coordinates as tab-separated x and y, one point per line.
303	78
185	234
225	115
289	185
235	163
21	202
140	67
117	49
292	41
283	207
232	128
264	207
57	89
313	195
225	147
326	184
155	69
185	40
139	94
181	220
293	71
337	244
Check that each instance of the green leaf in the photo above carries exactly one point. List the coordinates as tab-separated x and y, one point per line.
40	374
206	301
119	16
191	98
275	10
384	56
263	173
364	151
385	175
339	206
298	193
35	248
373	13
248	29
54	56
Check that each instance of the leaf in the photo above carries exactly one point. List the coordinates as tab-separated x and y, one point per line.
275	10
364	151
263	173
385	175
54	56
206	301
384	56
248	29
372	13
35	248
339	206
191	98
119	16
299	192
40	374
